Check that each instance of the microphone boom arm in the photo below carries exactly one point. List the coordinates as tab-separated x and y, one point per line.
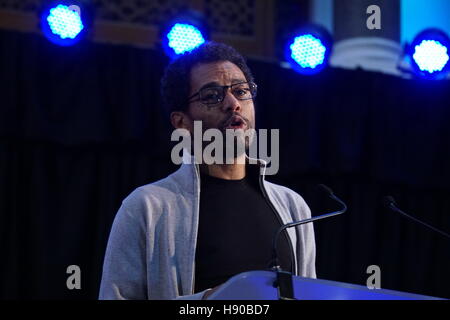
275	264
391	204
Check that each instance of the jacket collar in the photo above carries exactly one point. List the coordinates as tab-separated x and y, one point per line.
252	163
255	168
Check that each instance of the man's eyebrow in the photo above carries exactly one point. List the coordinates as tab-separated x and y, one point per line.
216	84
210	84
234	81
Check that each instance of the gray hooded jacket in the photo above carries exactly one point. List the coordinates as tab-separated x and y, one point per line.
151	248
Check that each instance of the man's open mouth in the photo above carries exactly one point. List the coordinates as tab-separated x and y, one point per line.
236	122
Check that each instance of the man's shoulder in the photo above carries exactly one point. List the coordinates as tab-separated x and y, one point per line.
283	191
288	200
155	192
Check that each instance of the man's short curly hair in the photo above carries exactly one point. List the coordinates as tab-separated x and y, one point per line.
175	84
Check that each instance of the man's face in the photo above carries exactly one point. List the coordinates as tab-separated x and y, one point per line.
231	112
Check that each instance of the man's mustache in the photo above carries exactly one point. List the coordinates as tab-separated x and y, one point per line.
232	118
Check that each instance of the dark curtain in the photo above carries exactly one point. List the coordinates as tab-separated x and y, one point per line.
81	127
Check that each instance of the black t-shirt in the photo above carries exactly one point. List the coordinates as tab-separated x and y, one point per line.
236	228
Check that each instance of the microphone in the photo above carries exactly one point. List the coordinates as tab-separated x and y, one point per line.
390	203
330	193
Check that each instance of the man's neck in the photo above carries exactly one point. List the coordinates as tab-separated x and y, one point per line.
235	171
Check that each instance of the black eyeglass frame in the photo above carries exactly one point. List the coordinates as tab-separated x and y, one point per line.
253	91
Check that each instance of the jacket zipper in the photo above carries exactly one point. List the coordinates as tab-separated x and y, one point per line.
263	189
197	172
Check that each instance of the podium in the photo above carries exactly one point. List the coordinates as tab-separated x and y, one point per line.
259	285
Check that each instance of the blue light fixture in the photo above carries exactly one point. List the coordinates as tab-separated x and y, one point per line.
430	54
308	49
65	22
184	37
184	33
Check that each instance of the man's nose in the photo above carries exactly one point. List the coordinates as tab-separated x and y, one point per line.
230	103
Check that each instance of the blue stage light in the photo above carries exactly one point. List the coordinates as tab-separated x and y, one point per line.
184	37
184	33
307	51
431	56
65	22
430	53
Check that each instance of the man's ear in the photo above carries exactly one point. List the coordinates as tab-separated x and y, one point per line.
180	120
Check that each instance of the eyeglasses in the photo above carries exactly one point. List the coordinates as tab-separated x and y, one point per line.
216	94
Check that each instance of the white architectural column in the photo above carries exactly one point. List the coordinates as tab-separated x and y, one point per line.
368	53
355	45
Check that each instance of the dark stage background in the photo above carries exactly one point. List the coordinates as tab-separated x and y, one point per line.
81	127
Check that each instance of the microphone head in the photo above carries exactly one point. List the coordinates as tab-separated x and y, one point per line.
389	201
326	189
